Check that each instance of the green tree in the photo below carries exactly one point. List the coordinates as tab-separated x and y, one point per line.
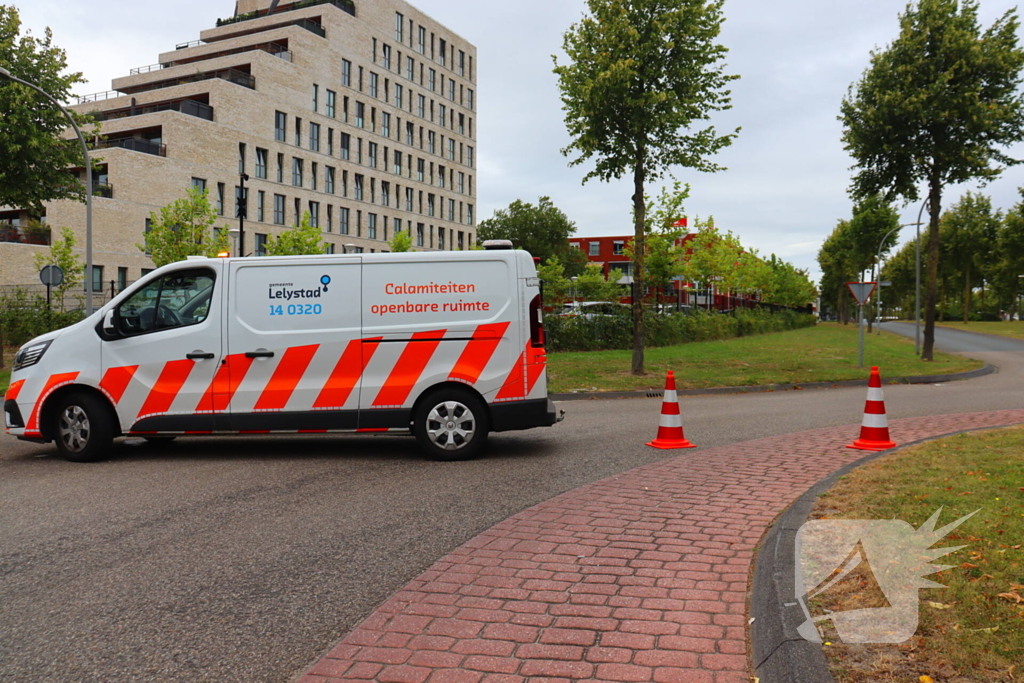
300	240
543	230
838	266
62	254
184	228
401	242
663	260
789	285
1011	258
36	156
874	220
970	228
936	107
641	73
711	258
557	286
592	285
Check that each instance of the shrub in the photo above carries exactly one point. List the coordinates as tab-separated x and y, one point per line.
24	315
616	332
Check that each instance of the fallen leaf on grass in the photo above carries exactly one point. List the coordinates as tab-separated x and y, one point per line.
925	679
1012	597
983	630
939	605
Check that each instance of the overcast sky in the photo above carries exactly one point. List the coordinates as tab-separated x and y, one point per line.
787	178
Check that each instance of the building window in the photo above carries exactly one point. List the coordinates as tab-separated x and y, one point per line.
462	183
385	193
372	154
358	186
410	131
374	84
617	248
344	109
330	218
371	226
330	142
360	114
410	68
313	173
469	98
442	115
220	198
432	80
346	73
329	247
440	176
469	156
398	163
421	44
462	63
386	56
261	197
298	132
469	214
344	183
296	172
329	179
97	278
279	209
419	169
314	214
398	95
346	146
122	278
314	136
261	244
451	149
199	184
332	98
316	97
343	214
280	168
408	199
261	163
298	212
419	234
430	205
399	27
451	209
462	123
241	158
451	90
280	125
421	106
431	142
595	249
385	124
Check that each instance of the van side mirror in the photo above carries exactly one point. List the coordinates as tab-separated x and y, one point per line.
108	322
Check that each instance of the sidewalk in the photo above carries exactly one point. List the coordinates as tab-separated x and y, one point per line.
638	577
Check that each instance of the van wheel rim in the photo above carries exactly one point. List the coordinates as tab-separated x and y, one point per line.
74	429
451	425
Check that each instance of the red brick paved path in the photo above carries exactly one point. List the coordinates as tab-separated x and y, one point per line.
638	577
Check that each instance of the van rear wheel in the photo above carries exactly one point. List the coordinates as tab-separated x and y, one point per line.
82	427
450	424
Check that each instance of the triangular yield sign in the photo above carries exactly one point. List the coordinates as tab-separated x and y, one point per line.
861	290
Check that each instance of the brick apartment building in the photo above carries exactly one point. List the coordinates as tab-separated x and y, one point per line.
361	113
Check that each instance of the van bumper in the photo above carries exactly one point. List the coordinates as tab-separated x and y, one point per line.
506	417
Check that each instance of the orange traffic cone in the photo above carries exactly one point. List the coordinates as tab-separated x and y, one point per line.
670	428
874	430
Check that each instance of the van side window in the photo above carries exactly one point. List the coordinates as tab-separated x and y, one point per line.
175	300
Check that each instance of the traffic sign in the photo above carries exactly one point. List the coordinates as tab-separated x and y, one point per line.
51	276
861	290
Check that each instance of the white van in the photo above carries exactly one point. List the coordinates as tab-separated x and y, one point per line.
446	345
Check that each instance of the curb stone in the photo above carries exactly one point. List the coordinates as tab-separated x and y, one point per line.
778	652
654	393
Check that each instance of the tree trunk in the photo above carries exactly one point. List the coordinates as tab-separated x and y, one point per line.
639	213
932	288
967	293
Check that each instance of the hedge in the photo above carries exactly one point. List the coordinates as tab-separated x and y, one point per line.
616	332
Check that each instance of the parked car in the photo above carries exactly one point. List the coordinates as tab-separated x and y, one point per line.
593	309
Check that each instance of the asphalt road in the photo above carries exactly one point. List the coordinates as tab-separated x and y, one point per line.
246	559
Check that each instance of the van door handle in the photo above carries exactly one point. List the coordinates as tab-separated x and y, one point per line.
263	353
199	355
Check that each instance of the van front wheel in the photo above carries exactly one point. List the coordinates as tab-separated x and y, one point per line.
451	425
82	427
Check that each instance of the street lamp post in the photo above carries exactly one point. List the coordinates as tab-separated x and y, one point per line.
88	185
878	262
917	283
243	207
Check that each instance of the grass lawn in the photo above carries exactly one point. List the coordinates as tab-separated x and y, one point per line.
825	352
1009	328
973	630
5	372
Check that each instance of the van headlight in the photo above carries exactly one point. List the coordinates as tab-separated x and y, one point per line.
30	354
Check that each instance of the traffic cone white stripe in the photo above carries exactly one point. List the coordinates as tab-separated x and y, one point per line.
875	394
670	396
877	421
673	421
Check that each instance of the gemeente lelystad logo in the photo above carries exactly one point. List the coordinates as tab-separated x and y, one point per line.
288	290
876	567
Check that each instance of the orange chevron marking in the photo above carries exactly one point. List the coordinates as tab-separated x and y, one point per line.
408	369
286	377
116	380
346	374
478	352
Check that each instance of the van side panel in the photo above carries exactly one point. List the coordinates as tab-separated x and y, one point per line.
437	320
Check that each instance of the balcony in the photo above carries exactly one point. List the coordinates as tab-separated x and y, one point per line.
103	190
276	49
344	5
236	76
12	233
133	144
195	108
